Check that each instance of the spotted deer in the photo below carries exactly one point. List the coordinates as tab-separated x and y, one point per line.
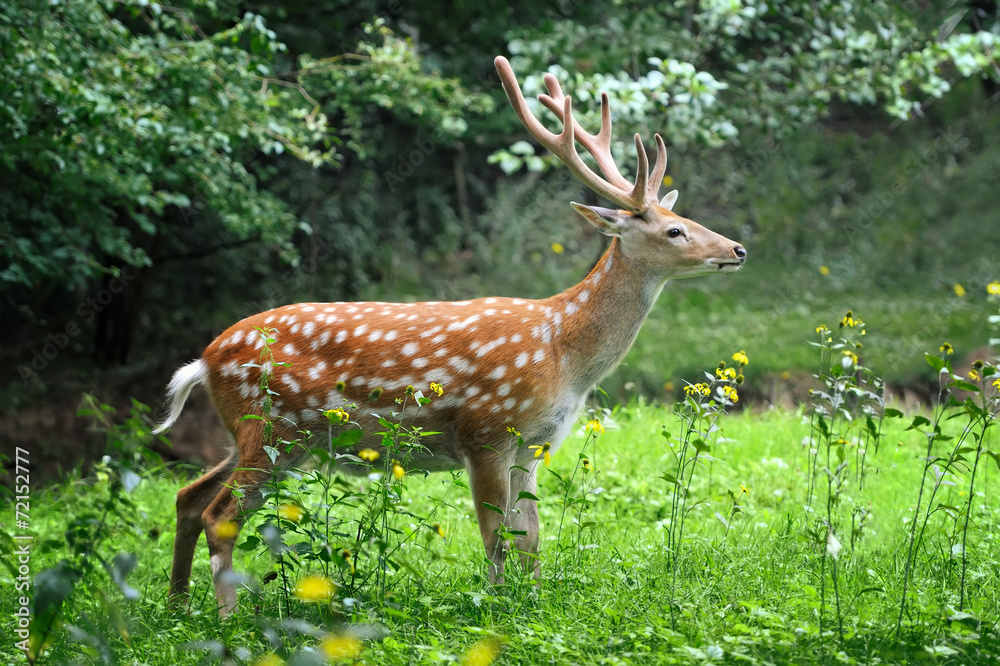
503	362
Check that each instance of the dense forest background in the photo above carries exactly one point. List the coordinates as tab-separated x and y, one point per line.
166	170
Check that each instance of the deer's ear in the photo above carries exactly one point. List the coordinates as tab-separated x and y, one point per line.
607	220
669	199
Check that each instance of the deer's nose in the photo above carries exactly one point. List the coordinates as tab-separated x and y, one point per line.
740	252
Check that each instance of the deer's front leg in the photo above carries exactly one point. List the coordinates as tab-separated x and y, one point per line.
489	476
524	515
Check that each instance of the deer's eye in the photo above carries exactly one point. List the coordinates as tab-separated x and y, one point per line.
673	232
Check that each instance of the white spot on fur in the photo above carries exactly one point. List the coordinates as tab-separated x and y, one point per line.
461	365
375	335
539	355
360	330
409	349
251	336
341	336
315	371
490	346
525	404
269	319
420	362
498	372
458	325
521	360
389	363
292	384
308	328
503	389
509	403
390	336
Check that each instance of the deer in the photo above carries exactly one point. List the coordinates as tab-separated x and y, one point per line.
502	362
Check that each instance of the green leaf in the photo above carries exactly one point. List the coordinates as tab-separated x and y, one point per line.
919	421
493	508
524	494
963	385
936	362
348	438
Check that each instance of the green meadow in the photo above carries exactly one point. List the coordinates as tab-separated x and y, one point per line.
775	542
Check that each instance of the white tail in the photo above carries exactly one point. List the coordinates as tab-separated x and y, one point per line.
185	379
503	362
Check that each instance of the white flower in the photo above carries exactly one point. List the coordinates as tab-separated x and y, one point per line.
832	545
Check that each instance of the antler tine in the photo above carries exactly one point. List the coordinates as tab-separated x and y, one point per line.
641	170
563	145
598	145
659	168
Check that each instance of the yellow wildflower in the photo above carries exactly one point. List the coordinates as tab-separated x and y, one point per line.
668	180
947	349
558	248
291	512
726	373
543	450
973	375
586	465
227	529
437	388
745	490
269	660
513	431
821	329
731	393
337	415
849	321
996	384
851	355
700	388
993	288
824	270
741	357
314	588
369	455
785	375
595	426
440	530
398	471
958	289
338	647
482	653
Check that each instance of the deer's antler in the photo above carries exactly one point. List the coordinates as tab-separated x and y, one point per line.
635	197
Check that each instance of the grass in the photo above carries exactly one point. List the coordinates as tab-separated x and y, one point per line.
752	593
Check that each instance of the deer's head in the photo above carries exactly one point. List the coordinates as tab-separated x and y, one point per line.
649	232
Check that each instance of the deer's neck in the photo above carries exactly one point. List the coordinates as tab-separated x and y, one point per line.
601	317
